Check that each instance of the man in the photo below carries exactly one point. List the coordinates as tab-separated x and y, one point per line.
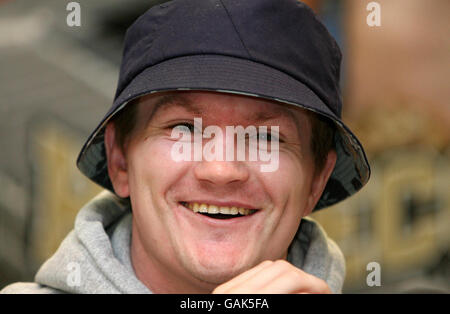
200	224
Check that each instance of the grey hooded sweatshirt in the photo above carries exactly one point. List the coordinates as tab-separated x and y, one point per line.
95	255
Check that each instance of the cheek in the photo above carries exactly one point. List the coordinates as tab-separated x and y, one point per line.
151	165
152	173
289	188
291	183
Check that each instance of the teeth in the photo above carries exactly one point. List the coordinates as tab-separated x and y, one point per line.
225	210
203	208
213	209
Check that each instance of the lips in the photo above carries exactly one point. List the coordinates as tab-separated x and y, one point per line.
218	211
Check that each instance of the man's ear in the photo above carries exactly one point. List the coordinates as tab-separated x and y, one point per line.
117	165
320	181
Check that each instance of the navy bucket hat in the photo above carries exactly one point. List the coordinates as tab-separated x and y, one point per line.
273	49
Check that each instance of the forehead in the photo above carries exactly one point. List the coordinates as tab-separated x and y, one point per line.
220	105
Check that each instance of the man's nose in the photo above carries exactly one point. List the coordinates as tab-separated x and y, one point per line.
221	172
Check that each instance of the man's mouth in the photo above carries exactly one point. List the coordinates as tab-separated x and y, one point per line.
218	212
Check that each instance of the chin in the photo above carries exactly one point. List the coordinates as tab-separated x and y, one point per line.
216	270
215	275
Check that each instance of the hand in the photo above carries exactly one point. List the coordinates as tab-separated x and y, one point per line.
272	277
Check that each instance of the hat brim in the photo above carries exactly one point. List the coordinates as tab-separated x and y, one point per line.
240	76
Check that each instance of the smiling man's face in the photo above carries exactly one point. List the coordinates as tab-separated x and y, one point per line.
174	247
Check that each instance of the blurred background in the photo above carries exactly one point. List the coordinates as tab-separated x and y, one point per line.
57	82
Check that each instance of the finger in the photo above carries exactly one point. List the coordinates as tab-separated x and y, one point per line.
296	282
242	278
277	277
262	281
255	280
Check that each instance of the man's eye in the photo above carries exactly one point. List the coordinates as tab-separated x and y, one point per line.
264	136
267	136
184	126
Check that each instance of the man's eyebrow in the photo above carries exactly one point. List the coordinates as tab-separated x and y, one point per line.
173	100
264	116
279	112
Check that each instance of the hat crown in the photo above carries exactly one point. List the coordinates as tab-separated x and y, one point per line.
264	31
